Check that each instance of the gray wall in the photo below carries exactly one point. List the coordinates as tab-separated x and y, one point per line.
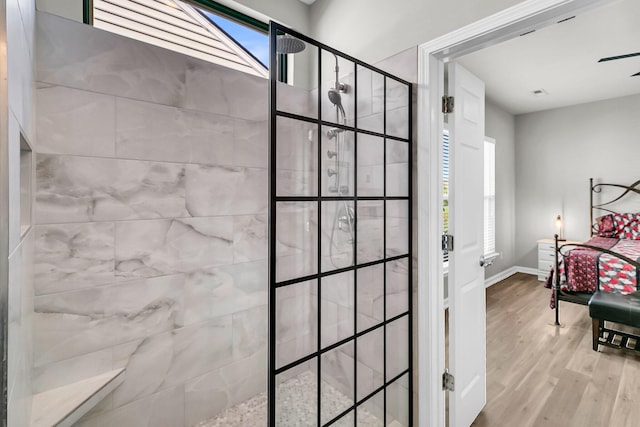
386	27
500	125
557	151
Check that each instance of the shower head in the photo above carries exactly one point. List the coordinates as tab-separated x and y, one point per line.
336	99
289	44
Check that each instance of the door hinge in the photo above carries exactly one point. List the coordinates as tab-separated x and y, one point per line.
448	381
447	243
447	104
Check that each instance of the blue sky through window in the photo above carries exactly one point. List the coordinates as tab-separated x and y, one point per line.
254	41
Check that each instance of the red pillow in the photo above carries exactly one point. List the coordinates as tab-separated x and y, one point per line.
605	226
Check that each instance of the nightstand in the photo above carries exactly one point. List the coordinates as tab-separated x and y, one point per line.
546	256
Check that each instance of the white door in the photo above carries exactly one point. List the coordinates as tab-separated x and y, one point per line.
467	309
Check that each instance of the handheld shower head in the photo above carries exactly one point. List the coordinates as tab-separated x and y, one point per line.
336	99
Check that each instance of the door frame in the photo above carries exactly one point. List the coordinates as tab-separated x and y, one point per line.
504	25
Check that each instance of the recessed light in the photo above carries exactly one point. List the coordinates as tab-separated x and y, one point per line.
540	92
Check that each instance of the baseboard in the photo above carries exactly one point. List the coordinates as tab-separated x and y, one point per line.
490	281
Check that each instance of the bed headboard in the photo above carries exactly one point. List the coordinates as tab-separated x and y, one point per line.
611	198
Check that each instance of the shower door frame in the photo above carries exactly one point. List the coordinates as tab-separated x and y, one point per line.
274	113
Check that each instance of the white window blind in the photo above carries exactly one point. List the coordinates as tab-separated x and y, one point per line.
489	196
445	187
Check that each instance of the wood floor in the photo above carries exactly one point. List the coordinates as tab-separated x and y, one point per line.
542	375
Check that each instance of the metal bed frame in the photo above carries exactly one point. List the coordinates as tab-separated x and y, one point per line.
560	249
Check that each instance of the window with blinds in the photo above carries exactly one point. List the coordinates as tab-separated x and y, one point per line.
489	196
489	193
445	187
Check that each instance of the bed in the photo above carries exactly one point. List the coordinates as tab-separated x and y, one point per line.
609	261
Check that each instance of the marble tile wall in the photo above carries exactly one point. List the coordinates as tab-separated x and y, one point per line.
150	227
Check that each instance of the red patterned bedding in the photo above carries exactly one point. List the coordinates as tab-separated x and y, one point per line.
582	268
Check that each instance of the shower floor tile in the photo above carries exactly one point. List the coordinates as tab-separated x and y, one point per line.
253	412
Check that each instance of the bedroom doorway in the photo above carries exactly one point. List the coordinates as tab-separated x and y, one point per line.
432	56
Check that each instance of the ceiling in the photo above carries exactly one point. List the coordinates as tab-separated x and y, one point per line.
562	61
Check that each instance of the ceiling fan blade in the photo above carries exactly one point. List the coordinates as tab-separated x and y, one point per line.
613	58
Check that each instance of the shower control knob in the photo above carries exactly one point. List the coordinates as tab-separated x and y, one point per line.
331	154
331	172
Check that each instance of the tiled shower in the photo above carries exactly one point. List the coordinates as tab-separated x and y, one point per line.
151	233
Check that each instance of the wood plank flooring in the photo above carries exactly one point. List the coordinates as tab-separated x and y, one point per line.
542	375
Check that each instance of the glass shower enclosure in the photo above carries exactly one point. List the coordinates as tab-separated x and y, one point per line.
340	262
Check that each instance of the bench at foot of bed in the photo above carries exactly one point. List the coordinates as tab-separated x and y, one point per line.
617	308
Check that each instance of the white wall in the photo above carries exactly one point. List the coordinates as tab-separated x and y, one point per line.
20	26
500	125
375	29
557	151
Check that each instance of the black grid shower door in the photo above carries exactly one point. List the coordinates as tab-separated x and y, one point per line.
340	239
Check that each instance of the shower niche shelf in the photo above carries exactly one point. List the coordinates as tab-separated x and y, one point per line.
63	406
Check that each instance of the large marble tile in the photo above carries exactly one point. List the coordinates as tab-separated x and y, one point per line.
158	132
249	331
83	57
398	122
397	289
397	227
58	374
167	360
251	144
397	168
337	307
225	290
296	99
158	247
80	189
220	90
296	325
70	324
71	121
73	256
296	240
296	157
337	372
217	190
397	347
370	296
250	240
208	395
370	226
370	362
163	409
